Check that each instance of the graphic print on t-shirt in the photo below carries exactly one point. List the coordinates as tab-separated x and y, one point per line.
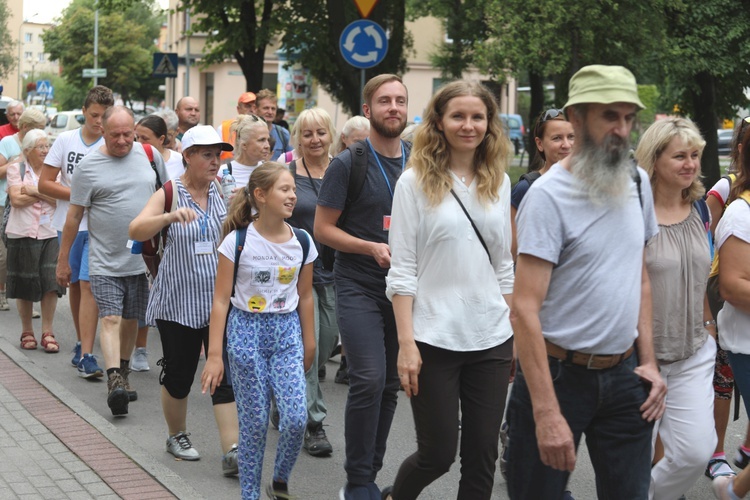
263	276
256	304
286	274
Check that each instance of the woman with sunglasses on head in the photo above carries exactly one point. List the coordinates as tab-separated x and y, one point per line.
554	137
718	200
450	282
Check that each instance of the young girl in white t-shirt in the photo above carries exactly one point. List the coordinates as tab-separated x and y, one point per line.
270	330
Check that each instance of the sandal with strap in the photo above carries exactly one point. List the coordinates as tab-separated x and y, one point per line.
28	341
718	467
49	343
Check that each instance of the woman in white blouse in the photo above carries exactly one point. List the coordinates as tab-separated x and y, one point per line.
450	282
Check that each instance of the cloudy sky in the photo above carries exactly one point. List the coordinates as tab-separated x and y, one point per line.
47	10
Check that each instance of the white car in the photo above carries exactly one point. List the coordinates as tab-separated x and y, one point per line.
64	121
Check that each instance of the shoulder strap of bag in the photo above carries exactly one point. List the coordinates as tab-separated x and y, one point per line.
476	229
304	241
357	177
702	208
240	235
530	177
150	154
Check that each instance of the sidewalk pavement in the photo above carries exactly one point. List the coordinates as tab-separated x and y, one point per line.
53	446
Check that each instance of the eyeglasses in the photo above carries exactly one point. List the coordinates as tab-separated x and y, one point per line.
44	147
548	115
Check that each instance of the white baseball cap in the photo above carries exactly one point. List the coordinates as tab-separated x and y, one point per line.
203	135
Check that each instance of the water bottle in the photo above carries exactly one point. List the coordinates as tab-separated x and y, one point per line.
227	186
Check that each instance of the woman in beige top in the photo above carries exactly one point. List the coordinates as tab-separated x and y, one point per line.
678	260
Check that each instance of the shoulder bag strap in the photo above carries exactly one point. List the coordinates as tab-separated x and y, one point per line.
476	230
240	235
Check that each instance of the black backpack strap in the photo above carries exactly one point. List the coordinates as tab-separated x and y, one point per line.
304	241
637	180
240	235
357	177
530	177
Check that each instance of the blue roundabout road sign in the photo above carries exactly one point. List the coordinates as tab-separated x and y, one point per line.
363	44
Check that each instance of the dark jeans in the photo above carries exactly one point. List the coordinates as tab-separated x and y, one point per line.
603	404
368	333
479	381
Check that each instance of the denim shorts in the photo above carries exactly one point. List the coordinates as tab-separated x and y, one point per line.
79	256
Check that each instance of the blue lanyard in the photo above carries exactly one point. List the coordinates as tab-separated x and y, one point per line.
382	170
204	227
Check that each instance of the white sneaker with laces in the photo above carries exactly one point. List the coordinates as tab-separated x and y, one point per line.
180	446
139	360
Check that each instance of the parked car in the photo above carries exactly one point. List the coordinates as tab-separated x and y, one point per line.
64	121
725	141
513	125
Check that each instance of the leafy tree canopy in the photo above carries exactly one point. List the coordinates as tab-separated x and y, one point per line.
126	45
7	43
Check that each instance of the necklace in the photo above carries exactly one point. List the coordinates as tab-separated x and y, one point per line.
304	164
194	194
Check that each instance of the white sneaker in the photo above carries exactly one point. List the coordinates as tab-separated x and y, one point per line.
4	302
139	361
180	446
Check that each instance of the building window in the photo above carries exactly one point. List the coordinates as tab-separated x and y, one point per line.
28	37
41	56
28	55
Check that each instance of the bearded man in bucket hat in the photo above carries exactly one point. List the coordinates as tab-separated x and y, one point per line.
582	306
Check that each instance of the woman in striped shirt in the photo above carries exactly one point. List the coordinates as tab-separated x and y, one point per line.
182	292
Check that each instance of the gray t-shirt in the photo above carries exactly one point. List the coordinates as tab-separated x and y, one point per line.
115	190
594	295
367	214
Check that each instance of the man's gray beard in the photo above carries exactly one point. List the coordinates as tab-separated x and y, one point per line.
606	170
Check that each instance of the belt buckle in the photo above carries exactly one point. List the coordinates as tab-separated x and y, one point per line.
591	360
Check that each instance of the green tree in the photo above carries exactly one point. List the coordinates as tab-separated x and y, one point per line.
7	44
126	45
707	66
312	37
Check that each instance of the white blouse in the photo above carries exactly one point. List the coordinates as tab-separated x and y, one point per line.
437	258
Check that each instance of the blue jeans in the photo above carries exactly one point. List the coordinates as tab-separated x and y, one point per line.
368	333
603	404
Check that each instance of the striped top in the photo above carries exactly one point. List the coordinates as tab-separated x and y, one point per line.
183	290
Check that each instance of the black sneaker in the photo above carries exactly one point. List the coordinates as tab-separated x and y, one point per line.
277	494
322	372
316	442
117	398
342	374
741	459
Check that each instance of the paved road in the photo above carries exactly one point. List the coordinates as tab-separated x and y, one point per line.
143	431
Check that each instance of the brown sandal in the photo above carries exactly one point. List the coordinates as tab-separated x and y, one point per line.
49	343
28	341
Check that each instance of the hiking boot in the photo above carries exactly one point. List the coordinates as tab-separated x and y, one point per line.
88	368
132	394
316	442
139	361
229	465
76	355
117	398
4	302
180	446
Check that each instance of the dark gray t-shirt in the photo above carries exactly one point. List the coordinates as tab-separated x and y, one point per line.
304	217
367	213
115	190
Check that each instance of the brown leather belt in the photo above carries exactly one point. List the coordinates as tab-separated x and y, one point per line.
590	361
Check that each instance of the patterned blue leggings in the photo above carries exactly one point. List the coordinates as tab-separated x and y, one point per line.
265	354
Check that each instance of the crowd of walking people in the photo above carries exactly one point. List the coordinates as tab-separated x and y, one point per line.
606	285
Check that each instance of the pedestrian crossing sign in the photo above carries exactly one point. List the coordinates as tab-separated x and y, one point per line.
165	64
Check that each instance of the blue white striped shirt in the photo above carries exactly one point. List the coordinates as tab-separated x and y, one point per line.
184	288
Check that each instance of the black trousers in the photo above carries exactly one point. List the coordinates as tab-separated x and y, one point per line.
478	381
